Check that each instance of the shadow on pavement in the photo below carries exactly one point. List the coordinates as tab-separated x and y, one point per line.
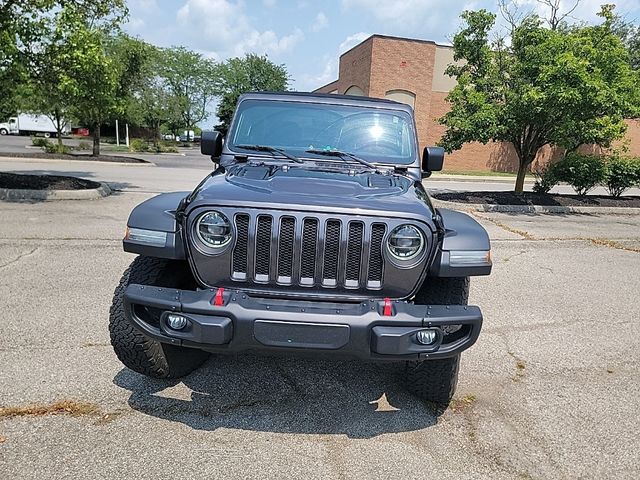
285	395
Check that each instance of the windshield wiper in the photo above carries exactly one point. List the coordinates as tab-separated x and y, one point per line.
343	156
272	150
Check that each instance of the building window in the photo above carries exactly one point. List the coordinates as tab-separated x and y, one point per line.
354	90
402	96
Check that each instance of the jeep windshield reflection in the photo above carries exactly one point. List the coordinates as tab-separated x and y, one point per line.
373	134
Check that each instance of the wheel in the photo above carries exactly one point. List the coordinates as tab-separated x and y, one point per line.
137	351
46	135
3	131
436	380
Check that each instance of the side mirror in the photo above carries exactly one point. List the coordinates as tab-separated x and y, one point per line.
211	144
432	160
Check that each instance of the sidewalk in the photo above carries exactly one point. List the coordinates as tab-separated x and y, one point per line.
447	177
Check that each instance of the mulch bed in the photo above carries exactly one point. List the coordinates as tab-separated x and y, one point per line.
44	182
75	156
529	198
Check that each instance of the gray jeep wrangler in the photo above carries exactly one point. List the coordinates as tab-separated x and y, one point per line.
312	235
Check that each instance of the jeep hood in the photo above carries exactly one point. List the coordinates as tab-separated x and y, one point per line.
293	187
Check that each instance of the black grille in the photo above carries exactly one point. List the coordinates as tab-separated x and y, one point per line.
328	252
240	252
285	247
331	250
354	251
309	241
375	253
263	245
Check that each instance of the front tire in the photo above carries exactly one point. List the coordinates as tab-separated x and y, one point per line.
134	349
4	131
436	380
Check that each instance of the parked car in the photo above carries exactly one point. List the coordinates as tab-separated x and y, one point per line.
34	124
314	234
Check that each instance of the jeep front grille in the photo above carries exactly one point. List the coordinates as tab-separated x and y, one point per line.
310	251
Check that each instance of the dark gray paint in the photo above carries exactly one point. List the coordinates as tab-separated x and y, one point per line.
257	182
318	329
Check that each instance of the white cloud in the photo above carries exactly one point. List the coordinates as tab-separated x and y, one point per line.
330	64
410	17
135	23
351	41
269	3
144	4
308	82
320	22
222	26
586	10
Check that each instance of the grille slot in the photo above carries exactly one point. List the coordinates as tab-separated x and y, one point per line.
374	276
331	253
354	254
285	249
308	254
239	262
322	251
263	247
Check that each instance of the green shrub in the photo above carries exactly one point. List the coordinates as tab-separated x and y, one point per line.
166	149
546	179
622	174
39	142
582	172
636	167
138	145
55	148
83	145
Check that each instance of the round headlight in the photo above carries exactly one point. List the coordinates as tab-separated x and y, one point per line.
405	242
214	229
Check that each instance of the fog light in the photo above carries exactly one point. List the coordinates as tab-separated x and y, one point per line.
427	337
176	322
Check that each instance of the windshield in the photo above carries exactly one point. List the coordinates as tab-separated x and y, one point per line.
373	134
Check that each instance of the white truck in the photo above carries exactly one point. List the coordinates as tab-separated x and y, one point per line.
32	124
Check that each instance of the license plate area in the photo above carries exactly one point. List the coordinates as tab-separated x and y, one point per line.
276	333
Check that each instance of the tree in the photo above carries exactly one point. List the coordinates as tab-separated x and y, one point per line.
27	29
563	87
101	72
240	75
190	79
629	34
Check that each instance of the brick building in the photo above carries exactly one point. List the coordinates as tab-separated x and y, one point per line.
412	71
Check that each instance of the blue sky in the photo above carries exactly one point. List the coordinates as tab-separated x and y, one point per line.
308	36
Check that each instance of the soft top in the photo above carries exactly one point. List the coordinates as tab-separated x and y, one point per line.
328	98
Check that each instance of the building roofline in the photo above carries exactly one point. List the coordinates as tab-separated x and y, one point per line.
326	85
392	37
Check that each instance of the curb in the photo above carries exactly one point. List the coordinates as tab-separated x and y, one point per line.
18	195
146	163
472	179
484	207
8	157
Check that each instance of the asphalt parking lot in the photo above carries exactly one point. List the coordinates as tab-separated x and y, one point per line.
551	389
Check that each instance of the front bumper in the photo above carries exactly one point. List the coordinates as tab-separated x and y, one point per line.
244	322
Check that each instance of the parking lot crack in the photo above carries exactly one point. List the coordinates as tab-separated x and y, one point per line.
524	234
20	257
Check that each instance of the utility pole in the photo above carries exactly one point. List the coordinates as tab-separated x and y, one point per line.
117	134
127	130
